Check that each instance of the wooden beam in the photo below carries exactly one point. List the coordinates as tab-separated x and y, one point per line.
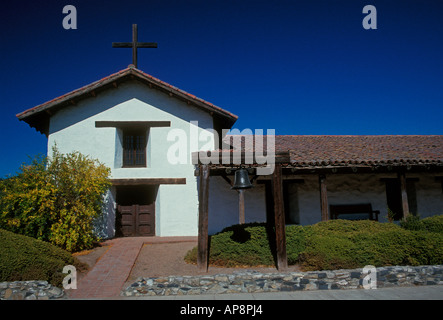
125	124
279	216
203	205
225	177
404	194
323	198
147	181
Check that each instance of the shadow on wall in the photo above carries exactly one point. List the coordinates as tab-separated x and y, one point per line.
104	226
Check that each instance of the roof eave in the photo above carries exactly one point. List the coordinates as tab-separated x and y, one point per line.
72	98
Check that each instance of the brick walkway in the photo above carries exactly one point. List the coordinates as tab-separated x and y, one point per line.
109	274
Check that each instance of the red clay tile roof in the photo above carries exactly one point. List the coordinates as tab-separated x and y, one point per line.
309	151
37	116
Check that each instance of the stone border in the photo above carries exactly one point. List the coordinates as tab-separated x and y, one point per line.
253	281
243	281
29	290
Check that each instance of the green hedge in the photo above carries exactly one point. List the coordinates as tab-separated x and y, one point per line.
24	258
327	245
340	244
430	224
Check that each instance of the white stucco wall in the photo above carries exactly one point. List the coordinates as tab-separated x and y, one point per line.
364	188
429	196
304	198
223	204
73	129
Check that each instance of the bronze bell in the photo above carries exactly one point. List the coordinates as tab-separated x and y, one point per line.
241	179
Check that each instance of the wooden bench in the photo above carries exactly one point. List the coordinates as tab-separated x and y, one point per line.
355	209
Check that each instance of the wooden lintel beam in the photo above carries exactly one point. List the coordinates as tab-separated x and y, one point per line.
147	181
121	124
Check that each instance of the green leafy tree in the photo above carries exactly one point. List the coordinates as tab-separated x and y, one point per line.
56	199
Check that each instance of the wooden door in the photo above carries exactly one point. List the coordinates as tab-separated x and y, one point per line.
137	220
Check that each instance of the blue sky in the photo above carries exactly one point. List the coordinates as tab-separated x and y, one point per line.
299	67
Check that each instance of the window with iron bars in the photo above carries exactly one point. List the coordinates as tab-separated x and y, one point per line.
134	148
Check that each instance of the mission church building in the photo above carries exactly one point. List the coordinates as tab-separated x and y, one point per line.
136	124
123	120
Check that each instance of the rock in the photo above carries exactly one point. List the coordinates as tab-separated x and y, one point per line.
8	294
221	278
342	274
55	293
342	282
31	297
311	286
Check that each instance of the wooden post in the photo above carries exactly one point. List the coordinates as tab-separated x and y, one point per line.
279	215
241	206
441	180
404	194
203	197
134	45
323	198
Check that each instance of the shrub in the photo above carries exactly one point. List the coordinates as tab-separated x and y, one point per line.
340	244
433	224
411	222
27	201
334	244
250	245
55	200
23	258
246	244
430	224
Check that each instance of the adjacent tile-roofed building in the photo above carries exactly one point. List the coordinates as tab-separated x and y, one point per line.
344	150
370	150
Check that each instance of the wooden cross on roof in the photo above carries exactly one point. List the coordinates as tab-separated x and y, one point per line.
134	45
